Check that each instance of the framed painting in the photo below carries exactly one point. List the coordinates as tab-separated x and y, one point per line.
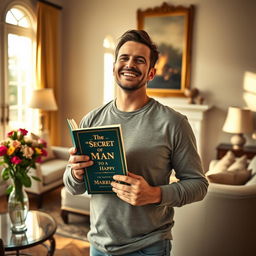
170	28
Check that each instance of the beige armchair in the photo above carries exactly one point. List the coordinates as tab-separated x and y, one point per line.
50	172
222	224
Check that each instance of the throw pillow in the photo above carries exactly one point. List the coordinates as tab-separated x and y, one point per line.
239	164
239	177
252	165
224	163
44	136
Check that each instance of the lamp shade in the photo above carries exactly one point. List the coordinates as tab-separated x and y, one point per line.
43	99
238	121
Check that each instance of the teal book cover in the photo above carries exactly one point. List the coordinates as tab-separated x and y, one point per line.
105	147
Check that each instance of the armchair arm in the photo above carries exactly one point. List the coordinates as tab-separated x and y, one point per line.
60	152
232	191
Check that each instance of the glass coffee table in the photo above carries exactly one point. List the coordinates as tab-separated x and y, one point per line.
40	227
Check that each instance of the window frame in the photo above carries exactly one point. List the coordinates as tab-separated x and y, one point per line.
5	29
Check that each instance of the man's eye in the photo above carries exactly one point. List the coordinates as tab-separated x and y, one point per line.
140	61
123	59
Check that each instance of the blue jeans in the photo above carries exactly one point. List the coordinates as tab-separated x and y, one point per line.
161	248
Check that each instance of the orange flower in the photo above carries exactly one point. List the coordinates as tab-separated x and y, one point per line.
15	144
10	150
38	151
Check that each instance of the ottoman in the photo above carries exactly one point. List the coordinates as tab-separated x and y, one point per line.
76	204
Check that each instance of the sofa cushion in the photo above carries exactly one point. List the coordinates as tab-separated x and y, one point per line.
223	163
53	170
239	164
239	177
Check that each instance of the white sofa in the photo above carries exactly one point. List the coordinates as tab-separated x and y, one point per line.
50	173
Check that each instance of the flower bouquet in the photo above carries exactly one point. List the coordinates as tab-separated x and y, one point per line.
18	154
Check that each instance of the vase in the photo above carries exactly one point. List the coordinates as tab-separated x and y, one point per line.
18	205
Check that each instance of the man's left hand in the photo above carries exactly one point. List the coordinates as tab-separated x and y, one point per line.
137	192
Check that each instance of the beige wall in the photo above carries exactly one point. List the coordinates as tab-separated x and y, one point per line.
223	50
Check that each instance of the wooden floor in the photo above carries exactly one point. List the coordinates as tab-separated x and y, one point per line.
64	246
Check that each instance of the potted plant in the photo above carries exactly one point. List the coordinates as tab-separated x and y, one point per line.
18	154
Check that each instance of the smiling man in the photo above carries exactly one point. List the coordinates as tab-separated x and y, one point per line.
137	219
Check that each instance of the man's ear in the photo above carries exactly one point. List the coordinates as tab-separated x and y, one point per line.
151	74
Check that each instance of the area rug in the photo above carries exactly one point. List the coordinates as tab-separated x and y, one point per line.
78	226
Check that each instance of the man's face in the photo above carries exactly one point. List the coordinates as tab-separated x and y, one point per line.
132	67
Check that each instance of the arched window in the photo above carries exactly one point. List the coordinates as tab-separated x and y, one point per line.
18	68
17	17
109	88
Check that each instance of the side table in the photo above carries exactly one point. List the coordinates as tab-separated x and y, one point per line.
249	151
40	227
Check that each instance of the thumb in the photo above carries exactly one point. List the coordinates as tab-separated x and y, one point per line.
72	151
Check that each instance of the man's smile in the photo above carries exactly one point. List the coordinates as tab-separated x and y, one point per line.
130	73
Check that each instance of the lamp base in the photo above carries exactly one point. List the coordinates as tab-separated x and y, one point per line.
238	141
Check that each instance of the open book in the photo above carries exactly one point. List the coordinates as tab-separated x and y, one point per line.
105	147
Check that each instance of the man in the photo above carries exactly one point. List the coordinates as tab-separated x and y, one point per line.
138	218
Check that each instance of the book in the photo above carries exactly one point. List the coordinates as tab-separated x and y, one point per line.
105	147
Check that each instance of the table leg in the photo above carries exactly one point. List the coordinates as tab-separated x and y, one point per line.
52	246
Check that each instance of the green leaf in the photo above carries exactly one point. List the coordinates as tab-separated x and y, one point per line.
35	178
26	180
9	189
6	173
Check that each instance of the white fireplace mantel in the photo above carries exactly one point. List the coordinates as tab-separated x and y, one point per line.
195	114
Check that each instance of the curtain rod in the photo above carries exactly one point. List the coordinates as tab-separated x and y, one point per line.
51	4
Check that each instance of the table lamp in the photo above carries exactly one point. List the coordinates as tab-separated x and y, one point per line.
43	99
238	121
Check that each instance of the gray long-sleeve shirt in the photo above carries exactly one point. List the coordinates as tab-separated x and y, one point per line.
157	139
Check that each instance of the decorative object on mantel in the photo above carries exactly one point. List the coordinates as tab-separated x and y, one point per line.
18	154
194	96
238	121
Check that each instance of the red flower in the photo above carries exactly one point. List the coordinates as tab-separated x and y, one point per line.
39	159
44	152
24	132
9	134
16	160
3	150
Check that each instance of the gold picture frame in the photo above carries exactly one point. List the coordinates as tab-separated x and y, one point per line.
170	27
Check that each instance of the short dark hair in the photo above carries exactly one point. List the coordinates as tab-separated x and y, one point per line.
139	36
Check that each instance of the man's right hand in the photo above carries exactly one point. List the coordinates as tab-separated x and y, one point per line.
78	163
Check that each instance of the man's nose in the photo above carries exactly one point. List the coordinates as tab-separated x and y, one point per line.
130	63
